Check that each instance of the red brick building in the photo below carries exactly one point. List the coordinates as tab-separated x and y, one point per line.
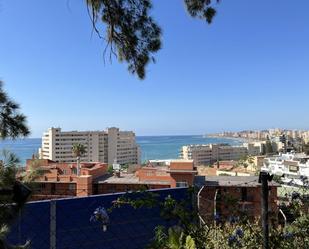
179	173
233	196
60	180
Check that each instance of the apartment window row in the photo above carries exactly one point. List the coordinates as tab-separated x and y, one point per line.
71	139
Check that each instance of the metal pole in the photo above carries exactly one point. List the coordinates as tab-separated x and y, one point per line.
198	204
284	217
215	205
264	209
53	225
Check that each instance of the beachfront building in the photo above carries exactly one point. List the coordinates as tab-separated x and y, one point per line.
206	154
255	148
101	146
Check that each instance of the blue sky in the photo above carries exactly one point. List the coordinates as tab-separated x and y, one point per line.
248	70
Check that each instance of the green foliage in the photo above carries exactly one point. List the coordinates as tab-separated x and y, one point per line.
124	167
190	234
12	123
175	238
305	148
277	179
190	244
8	168
268	146
34	171
9	173
202	9
245	161
224	174
226	236
131	34
78	149
4	230
110	169
136	200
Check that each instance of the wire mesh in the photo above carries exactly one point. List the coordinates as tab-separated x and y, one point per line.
69	225
128	227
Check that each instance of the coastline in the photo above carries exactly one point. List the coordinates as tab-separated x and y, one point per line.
242	139
152	147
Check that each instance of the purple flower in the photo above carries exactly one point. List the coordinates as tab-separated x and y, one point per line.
239	232
233	219
238	243
288	235
232	239
100	215
217	217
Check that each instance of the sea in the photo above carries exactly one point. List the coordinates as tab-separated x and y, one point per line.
152	147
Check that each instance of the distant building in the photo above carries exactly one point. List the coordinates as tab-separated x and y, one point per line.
255	148
179	173
60	180
231	168
231	197
258	162
306	137
101	146
205	154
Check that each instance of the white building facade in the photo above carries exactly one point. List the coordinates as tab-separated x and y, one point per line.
205	154
101	146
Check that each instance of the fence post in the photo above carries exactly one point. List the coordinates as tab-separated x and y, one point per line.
53	225
264	208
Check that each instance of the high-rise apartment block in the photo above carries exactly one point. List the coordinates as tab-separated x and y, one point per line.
101	146
205	154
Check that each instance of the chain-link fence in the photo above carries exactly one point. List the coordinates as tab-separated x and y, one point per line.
67	224
230	204
236	201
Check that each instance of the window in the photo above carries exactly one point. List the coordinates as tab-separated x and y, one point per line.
112	188
293	168
244	194
71	186
181	184
149	173
53	188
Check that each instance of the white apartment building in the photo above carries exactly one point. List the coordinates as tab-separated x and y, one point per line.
306	136
101	146
205	154
255	148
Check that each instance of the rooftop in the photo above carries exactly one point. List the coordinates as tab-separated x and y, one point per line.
127	179
241	181
181	161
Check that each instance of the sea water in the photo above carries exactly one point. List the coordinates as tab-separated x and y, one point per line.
152	147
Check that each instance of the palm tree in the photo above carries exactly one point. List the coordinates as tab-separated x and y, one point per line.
8	168
34	171
78	150
12	123
9	163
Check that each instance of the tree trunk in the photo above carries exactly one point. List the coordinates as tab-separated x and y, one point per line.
78	166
